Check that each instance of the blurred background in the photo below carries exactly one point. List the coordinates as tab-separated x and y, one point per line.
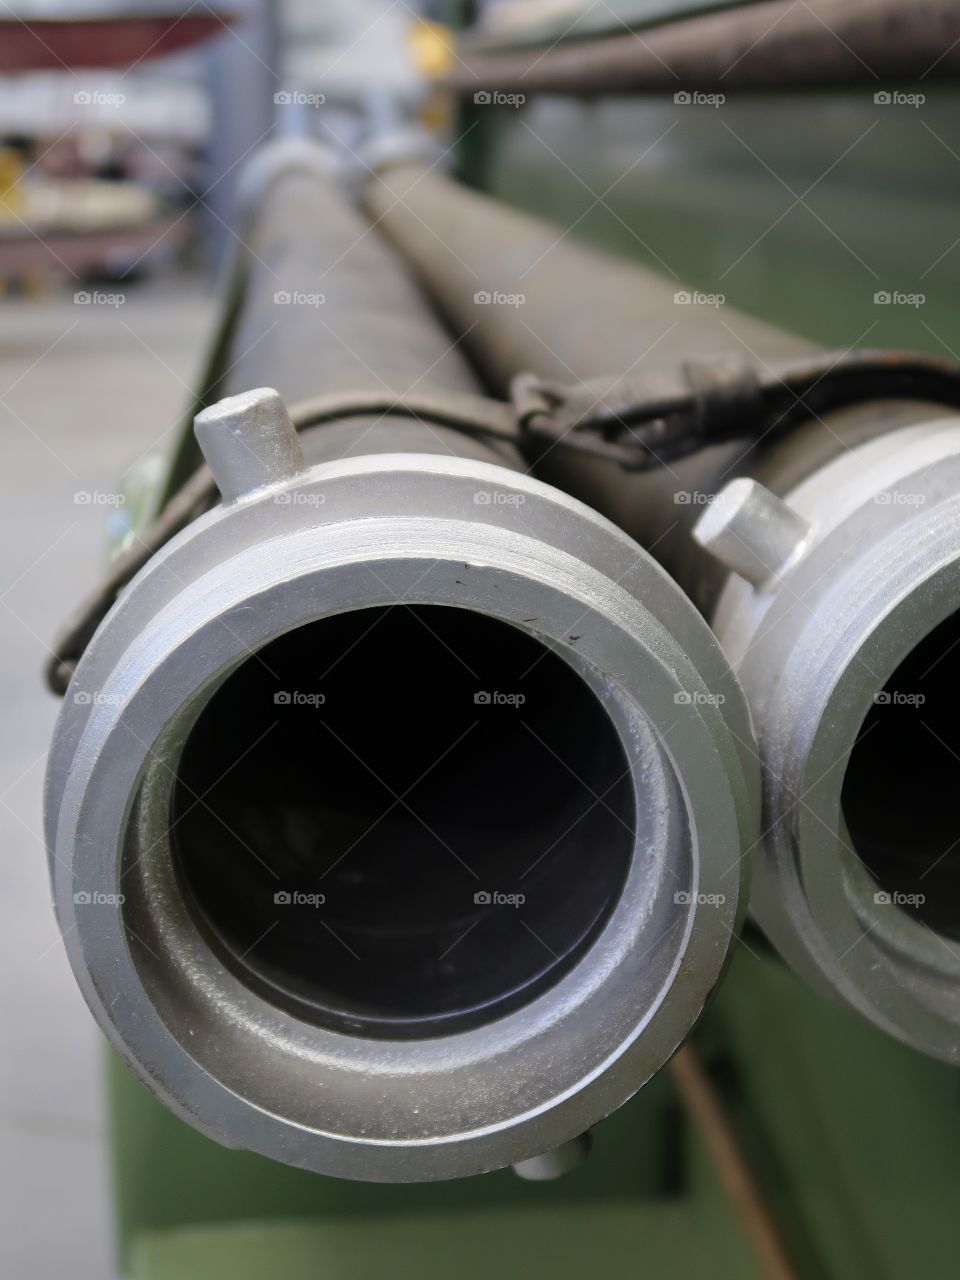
123	128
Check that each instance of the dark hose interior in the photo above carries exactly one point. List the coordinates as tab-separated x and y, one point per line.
419	768
902	783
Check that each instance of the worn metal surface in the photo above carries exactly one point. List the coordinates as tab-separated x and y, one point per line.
250	442
879	576
230	1060
251	1023
751	531
189	1180
861	903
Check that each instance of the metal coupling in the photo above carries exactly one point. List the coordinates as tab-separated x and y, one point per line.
841	621
397	812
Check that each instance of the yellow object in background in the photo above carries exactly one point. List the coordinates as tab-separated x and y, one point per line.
11	169
432	50
432	47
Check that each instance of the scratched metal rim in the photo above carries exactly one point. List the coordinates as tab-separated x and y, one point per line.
251	1075
882	573
893	969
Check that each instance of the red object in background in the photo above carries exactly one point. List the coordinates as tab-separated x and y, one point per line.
41	44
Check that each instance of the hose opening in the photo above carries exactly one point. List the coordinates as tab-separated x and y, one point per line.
403	821
901	784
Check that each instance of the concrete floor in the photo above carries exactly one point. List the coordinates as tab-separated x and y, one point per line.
84	390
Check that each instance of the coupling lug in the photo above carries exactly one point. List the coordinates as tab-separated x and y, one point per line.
751	531
249	443
556	1162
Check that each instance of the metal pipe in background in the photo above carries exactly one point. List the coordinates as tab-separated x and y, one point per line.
397	810
777	44
328	306
522	296
840	616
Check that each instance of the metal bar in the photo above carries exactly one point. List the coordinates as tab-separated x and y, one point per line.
773	45
705	1108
